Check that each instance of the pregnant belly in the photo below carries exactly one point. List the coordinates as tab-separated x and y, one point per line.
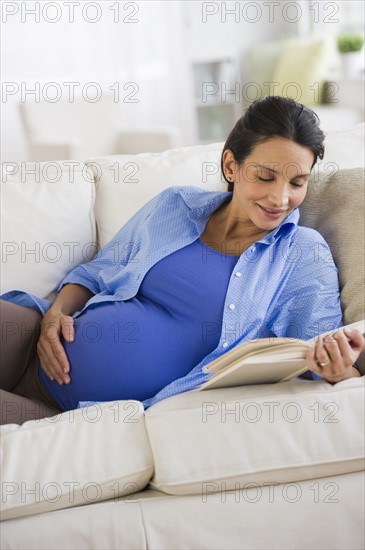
125	350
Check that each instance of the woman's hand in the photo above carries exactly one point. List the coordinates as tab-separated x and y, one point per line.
56	323
51	352
333	356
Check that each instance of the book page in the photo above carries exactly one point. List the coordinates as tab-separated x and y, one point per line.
262	346
256	373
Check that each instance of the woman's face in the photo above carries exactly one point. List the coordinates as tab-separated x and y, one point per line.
270	182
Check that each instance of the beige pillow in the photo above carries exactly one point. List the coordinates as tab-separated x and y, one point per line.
335	206
301	69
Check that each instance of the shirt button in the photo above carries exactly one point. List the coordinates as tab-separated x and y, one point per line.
231	306
225	344
238	274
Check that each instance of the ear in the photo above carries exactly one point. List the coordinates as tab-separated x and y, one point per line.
229	165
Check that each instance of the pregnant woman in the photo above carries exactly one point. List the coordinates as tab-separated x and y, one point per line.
190	276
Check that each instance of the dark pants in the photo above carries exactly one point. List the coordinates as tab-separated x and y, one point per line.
22	397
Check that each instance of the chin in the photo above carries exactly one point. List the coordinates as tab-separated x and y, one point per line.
270	225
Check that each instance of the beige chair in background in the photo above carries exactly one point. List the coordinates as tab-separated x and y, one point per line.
80	129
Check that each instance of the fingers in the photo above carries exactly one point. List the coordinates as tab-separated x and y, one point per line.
340	351
48	367
51	352
317	356
311	361
50	357
356	340
67	327
333	356
321	354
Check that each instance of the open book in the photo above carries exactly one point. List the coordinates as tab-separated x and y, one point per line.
263	361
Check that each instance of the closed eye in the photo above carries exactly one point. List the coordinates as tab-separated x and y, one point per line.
263	179
296	184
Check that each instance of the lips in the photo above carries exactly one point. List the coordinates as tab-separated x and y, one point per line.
271	213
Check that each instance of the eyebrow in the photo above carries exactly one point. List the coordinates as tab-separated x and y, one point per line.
276	171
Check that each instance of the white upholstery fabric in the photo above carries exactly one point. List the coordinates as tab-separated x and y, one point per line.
316	514
344	149
325	513
124	183
262	434
77	457
110	525
47	224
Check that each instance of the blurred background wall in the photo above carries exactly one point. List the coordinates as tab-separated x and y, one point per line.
82	78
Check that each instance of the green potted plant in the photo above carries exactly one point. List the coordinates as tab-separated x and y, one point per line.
350	47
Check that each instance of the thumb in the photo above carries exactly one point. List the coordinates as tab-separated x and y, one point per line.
356	339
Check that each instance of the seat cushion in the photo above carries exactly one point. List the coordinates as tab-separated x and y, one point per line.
214	520
109	525
77	457
265	434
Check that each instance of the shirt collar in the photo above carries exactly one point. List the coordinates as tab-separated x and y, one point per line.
284	229
202	204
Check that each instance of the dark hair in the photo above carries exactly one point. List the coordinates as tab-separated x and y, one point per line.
274	116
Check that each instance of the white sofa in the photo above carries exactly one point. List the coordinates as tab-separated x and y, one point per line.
256	467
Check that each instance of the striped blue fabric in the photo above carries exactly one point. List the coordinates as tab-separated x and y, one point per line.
285	284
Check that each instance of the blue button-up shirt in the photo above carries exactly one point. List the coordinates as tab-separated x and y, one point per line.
285	284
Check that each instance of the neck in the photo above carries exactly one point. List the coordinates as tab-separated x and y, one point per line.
233	225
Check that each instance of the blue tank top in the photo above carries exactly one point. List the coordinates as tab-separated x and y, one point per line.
132	349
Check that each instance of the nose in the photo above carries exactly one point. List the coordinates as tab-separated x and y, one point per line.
279	195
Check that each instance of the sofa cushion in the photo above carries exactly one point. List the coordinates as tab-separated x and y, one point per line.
74	458
47	223
214	519
343	149
124	183
265	434
108	525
